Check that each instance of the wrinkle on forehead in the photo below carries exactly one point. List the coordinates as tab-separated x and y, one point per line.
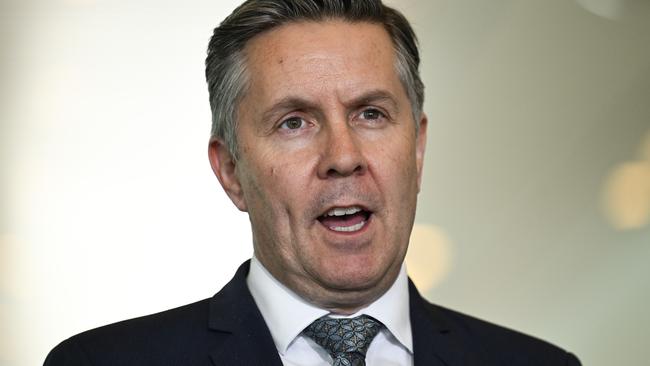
323	57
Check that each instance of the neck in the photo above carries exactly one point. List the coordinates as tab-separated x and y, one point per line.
338	300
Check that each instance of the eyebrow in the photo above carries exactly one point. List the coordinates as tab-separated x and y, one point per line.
288	103
292	102
374	96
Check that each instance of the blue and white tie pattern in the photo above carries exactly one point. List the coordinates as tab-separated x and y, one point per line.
346	340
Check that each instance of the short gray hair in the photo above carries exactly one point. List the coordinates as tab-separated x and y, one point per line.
225	66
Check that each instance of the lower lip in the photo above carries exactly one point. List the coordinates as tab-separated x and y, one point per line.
351	230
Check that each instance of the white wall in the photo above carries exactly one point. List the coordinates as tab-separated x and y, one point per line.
113	210
110	210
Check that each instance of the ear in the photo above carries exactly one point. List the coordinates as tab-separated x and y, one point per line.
420	145
224	167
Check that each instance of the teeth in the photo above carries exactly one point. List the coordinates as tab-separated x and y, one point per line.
343	211
349	228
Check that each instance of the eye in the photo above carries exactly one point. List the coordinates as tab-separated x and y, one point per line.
292	123
372	114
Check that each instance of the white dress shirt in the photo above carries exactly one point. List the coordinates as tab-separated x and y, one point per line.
287	315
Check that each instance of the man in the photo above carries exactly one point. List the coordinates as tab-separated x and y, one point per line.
318	134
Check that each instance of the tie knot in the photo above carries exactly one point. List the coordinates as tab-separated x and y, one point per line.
345	339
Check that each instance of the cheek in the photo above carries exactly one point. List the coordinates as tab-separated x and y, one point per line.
396	174
278	189
396	161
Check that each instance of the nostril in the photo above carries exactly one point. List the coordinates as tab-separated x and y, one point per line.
344	172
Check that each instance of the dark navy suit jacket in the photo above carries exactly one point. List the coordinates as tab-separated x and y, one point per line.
228	329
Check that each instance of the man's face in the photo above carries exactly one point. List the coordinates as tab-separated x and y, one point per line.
329	163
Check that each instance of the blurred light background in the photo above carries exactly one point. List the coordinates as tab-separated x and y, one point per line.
535	209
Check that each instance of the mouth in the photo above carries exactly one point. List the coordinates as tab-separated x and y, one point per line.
350	219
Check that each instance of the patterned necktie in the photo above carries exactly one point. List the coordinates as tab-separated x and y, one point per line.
346	340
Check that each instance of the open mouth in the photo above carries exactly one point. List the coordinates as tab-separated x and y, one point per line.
345	219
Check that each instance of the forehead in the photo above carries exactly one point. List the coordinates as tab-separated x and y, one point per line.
311	57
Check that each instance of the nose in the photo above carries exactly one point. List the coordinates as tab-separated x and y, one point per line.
342	154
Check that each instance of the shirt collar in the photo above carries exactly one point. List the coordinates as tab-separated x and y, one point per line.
287	314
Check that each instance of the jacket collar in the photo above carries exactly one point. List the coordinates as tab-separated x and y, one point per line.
244	338
437	338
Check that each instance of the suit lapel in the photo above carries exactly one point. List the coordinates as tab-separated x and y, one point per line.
436	341
243	337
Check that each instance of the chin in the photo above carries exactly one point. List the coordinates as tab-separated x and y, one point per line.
353	275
